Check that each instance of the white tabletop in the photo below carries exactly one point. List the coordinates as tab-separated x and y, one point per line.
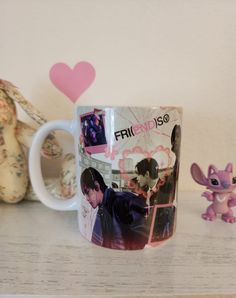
42	253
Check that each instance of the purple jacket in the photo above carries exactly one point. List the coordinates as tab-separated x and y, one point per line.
121	221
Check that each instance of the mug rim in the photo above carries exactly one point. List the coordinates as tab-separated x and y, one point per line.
130	106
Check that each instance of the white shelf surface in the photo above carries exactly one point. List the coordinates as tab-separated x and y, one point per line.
42	254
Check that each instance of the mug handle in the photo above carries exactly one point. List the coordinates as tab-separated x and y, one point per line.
35	166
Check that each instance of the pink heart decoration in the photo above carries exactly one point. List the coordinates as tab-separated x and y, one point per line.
72	82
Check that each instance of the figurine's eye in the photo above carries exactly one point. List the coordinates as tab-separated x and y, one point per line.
234	180
214	182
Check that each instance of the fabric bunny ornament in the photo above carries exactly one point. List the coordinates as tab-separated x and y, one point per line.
15	137
221	184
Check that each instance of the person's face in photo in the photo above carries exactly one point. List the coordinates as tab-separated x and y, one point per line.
142	180
135	187
94	197
146	180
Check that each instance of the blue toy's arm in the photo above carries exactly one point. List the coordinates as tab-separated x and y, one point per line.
232	201
208	195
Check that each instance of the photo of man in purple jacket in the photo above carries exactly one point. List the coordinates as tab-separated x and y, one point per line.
121	218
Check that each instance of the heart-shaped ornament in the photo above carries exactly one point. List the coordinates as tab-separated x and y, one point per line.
72	82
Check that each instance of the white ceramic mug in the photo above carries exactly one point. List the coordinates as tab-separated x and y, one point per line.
127	173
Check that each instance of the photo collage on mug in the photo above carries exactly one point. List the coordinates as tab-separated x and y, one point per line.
129	201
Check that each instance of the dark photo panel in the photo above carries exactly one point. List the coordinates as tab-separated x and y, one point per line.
164	223
93	130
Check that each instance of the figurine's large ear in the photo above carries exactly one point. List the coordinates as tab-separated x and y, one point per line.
198	174
15	95
229	168
212	170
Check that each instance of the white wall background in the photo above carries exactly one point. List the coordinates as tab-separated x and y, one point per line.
153	52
